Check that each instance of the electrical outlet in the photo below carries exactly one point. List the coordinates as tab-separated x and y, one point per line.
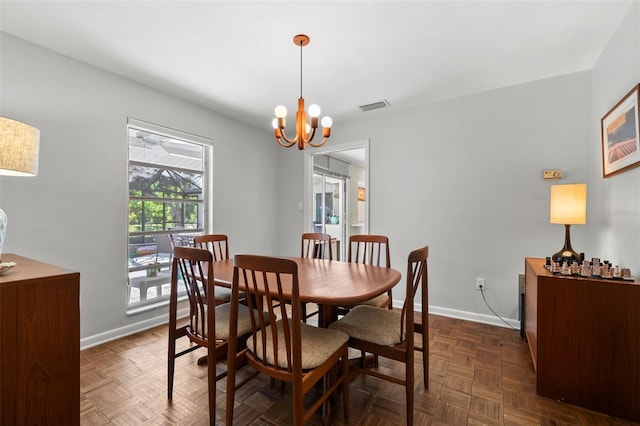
481	284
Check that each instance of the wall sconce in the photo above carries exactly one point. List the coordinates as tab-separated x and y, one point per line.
568	206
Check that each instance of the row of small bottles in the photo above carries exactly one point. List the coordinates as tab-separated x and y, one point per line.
585	268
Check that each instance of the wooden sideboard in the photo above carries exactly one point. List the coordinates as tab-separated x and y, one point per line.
584	337
39	344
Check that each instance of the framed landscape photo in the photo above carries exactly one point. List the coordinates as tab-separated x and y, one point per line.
620	136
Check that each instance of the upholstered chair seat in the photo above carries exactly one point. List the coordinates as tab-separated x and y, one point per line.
358	324
222	321
318	344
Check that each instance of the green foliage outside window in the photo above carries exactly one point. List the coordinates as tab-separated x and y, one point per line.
162	199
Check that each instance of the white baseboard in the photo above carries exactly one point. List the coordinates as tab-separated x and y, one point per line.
475	317
118	333
465	315
107	336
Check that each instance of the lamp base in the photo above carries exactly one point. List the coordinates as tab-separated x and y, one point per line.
567	252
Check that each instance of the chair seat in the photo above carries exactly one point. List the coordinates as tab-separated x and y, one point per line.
223	313
318	345
358	324
223	294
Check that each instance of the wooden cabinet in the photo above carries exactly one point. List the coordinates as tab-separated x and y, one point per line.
584	337
39	344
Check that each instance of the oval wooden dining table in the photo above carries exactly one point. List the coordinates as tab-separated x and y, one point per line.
329	283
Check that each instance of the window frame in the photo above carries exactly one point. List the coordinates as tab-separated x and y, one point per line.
207	201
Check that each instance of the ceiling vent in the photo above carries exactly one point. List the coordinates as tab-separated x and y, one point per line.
375	105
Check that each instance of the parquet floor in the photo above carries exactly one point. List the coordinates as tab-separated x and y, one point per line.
479	375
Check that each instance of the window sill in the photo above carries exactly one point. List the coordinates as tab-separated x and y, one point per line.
136	310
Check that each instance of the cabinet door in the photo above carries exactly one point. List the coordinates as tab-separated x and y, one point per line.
40	362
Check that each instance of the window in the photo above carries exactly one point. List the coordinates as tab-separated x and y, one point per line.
168	204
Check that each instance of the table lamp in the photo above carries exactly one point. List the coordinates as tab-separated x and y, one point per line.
568	206
19	148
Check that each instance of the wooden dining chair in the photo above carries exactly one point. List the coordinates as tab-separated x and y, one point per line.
218	245
370	250
390	333
206	328
315	245
180	240
287	349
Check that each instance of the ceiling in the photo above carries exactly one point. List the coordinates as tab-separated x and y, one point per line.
238	57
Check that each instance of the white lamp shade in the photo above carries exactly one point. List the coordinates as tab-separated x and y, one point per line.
568	204
19	148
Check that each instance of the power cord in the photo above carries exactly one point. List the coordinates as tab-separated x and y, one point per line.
494	312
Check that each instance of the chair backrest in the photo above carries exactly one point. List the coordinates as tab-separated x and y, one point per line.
316	245
194	267
180	240
217	244
264	279
369	250
417	276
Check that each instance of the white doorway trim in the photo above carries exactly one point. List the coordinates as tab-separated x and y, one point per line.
308	179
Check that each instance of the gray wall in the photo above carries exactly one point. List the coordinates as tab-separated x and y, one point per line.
613	211
464	176
74	213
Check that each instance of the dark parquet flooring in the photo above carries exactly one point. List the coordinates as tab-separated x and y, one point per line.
479	375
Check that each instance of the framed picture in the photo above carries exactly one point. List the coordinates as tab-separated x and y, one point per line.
620	140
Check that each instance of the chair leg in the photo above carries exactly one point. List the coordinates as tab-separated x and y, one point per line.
345	383
425	360
298	407
409	385
326	405
171	358
303	312
171	362
211	376
231	392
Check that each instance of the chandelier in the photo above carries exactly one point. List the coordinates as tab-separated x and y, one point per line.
305	131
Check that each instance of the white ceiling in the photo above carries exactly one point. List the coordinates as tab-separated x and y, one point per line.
238	57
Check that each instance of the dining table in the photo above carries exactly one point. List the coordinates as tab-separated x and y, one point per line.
328	283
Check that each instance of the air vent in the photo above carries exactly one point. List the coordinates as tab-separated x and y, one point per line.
375	105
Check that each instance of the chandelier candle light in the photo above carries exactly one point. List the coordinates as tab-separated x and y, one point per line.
304	131
19	148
